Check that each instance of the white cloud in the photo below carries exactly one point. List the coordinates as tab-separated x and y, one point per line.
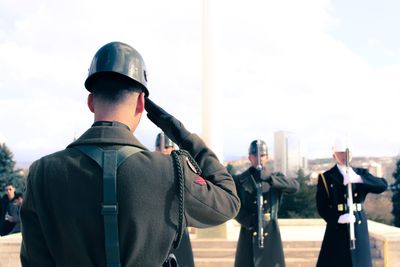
2	138
276	62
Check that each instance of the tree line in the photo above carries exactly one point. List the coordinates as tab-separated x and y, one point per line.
8	172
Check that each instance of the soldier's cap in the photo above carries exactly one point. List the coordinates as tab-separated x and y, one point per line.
342	143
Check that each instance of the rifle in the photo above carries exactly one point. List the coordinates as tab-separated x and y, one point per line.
350	202
260	201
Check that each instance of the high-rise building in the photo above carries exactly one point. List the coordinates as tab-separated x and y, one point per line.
288	157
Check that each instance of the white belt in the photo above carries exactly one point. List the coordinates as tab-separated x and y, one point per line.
343	207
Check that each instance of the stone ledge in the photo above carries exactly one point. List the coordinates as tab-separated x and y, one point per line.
383	232
385	238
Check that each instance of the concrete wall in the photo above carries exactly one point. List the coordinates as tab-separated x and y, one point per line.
9	250
387	241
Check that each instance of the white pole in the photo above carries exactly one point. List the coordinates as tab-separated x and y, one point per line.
212	127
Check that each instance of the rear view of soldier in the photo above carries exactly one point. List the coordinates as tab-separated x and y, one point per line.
106	200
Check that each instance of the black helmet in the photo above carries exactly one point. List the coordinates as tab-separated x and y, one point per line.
120	59
258	144
167	141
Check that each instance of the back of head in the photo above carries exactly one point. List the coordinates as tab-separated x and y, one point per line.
258	146
116	68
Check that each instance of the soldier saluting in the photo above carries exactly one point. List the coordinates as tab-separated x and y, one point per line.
106	200
260	242
346	239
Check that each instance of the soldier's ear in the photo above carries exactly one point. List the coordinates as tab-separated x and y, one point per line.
90	102
140	103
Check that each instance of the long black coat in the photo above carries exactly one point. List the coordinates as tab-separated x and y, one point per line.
184	253
248	253
61	216
335	249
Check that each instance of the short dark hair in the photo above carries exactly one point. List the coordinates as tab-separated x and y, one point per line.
9	184
113	87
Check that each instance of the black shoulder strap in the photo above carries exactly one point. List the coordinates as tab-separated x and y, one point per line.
109	161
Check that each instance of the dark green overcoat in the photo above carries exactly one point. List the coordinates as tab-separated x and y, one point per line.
248	253
61	216
335	249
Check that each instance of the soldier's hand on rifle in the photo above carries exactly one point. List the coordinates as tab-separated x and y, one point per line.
172	127
347	218
351	177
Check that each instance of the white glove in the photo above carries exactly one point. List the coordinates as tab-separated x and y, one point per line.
351	177
347	218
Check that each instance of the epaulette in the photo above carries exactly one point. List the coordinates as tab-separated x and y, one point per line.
189	160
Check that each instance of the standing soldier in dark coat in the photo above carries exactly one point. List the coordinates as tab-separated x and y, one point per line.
332	193
183	253
66	216
163	140
248	251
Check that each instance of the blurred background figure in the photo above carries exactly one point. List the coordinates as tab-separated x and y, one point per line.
164	144
14	213
183	253
6	223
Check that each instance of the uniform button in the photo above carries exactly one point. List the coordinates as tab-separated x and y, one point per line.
255	202
355	194
254	233
345	196
332	185
265	202
359	222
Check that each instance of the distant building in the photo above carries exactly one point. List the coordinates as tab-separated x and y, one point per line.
288	157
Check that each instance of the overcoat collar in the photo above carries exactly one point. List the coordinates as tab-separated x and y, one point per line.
108	133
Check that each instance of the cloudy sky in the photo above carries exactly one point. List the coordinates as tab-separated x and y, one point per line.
316	68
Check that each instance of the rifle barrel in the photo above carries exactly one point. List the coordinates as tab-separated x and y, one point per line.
350	203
